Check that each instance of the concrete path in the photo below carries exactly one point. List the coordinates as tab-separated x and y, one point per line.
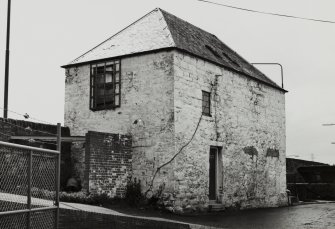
87	208
315	215
101	210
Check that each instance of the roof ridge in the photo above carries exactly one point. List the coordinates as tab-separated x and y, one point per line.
167	25
231	53
164	11
169	31
156	9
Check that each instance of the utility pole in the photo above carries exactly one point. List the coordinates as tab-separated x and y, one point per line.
5	110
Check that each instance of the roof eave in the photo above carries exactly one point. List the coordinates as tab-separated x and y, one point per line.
233	70
179	49
115	57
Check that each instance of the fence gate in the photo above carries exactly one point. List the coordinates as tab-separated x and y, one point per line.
29	187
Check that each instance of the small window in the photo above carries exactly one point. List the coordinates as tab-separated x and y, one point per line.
105	85
206	103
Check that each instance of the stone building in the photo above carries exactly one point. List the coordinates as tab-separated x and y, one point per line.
206	126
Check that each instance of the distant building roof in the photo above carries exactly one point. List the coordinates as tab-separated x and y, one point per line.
302	162
160	30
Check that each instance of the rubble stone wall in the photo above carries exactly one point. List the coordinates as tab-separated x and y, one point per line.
247	123
146	111
161	106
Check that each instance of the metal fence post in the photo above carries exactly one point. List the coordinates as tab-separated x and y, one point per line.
30	159
59	146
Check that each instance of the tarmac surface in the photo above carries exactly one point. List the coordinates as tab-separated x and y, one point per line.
312	215
318	216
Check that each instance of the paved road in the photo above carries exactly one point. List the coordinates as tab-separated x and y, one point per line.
316	216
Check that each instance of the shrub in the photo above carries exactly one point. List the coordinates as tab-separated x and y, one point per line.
85	198
134	196
156	196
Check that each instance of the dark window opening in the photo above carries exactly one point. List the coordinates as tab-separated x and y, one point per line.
105	85
206	103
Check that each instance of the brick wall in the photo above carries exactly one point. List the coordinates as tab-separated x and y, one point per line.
108	163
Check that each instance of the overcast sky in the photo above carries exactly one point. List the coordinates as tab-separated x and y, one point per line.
48	34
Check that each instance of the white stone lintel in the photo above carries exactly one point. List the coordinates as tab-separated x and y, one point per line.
216	143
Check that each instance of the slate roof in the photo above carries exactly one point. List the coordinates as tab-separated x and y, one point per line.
160	30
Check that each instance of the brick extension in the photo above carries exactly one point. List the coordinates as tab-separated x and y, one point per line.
107	163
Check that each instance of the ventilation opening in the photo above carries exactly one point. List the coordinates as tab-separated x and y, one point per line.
230	59
213	51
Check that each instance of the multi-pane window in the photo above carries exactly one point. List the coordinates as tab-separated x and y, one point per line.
105	85
206	103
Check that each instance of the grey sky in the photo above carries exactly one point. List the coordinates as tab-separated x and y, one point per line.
47	34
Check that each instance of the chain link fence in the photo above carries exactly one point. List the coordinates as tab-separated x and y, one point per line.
29	184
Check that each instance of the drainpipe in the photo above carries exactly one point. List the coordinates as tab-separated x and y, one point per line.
281	68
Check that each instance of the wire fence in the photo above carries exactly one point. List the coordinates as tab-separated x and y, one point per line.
29	184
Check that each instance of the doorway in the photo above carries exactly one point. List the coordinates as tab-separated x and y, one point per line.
213	158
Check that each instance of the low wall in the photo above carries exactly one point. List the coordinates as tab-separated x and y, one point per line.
316	191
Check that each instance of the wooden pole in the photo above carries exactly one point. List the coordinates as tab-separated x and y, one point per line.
5	110
59	147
